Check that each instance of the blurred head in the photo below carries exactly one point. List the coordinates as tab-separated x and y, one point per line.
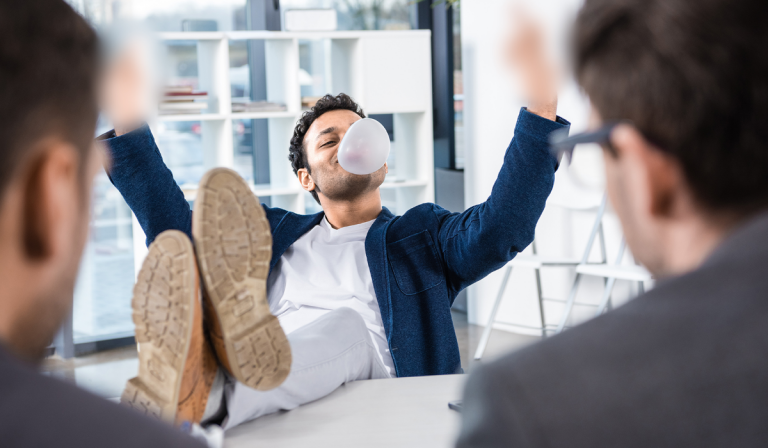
48	70
691	79
315	144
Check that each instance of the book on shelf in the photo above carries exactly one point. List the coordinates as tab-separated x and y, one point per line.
183	106
178	89
175	97
179	112
309	101
182	100
257	106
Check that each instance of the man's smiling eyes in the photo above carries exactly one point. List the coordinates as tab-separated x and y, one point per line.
329	142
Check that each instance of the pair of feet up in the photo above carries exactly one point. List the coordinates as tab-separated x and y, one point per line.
186	330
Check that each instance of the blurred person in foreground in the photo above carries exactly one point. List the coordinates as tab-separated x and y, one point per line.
679	90
48	108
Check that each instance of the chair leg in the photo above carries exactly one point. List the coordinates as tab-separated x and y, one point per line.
487	331
569	304
541	304
640	288
596	232
610	282
601	234
606	297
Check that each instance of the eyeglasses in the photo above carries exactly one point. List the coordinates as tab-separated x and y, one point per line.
560	143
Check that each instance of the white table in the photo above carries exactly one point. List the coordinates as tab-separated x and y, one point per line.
398	412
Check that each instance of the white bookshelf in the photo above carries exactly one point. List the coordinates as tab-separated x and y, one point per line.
386	72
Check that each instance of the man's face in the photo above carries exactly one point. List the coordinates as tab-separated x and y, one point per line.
51	294
94	162
329	179
627	185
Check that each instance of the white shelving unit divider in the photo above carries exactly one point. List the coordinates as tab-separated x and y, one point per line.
342	59
190	117
258	115
282	65
280	170
386	72
213	73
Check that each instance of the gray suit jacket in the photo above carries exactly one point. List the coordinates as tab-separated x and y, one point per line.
39	411
683	365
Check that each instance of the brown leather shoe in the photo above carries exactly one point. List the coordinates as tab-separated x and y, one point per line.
176	364
234	247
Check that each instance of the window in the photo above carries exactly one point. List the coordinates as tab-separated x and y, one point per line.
458	90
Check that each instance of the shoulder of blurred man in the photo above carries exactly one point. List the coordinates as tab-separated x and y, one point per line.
683	363
36	410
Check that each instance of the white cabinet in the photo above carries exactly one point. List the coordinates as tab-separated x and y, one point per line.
386	72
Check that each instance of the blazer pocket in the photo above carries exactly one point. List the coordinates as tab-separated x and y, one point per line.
415	263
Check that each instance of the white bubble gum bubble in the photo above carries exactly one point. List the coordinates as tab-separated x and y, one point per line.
364	148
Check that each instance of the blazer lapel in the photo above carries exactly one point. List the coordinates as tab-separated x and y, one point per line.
376	253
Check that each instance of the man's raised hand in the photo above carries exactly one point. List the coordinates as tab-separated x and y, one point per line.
535	71
126	93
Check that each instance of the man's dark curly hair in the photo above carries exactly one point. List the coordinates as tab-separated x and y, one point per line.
297	153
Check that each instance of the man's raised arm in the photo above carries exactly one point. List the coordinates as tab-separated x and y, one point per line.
139	173
485	237
135	165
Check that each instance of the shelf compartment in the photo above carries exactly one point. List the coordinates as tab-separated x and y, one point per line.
387	72
260	115
186	35
277	35
279	85
191	117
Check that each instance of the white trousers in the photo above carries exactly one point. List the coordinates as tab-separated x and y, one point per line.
328	352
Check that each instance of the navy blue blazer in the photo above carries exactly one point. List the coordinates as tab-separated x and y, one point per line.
419	261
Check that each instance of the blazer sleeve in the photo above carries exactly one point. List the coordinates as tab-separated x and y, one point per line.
486	236
137	170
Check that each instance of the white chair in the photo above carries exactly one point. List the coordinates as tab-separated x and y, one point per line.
568	195
609	273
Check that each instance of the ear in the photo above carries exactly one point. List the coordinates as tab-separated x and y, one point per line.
305	179
52	199
386	168
655	175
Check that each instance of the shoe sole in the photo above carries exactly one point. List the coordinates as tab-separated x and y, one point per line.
233	242
163	304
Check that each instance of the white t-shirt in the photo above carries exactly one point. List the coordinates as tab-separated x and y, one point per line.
324	270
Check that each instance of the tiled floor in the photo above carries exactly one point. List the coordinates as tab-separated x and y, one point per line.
105	373
500	342
102	373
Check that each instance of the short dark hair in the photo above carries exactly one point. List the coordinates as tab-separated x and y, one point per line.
297	153
48	72
692	75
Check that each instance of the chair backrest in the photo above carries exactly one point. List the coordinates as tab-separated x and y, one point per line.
597	230
571	195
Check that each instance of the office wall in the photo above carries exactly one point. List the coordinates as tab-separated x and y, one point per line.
492	103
